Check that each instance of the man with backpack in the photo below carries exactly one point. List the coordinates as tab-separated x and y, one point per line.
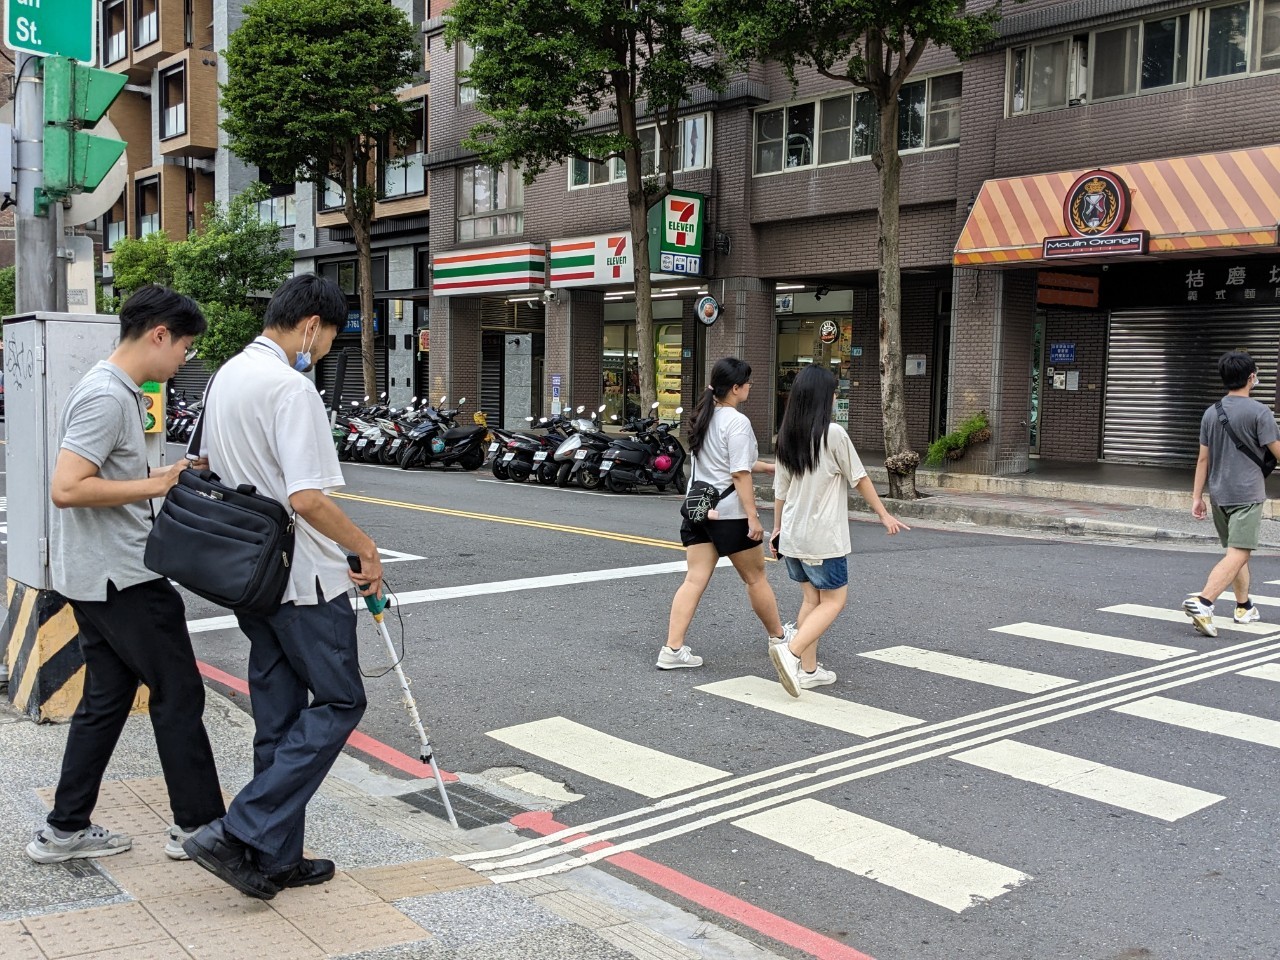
1235	435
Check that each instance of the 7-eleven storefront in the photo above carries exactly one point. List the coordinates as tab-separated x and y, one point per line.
1091	305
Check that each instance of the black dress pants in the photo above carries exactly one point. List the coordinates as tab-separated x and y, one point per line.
138	635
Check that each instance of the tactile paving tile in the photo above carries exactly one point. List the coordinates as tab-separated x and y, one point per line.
273	937
360	928
418	878
148	790
159	950
340	893
166	879
135	820
17	944
102	928
191	915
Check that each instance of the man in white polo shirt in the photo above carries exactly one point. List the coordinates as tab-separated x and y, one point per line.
265	425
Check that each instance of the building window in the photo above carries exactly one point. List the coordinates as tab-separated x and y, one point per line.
173	102
1226	40
692	151
114	20
148	206
188	22
281	206
401	171
1269	36
1039	77
1164	51
146	19
845	126
466	54
422	267
490	202
346	275
114	225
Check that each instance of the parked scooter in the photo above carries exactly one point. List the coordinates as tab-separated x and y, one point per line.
578	457
652	458
531	455
439	439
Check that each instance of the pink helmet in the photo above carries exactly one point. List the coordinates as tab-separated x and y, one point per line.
662	463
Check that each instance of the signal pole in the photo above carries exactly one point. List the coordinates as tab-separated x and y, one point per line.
40	277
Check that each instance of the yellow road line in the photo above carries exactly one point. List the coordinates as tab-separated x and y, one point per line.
537	524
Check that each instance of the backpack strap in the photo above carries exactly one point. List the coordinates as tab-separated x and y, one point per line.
193	445
1226	425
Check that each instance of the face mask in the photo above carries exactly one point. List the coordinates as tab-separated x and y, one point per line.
302	362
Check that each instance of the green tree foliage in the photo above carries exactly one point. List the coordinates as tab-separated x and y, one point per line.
311	93
541	69
872	44
135	263
8	291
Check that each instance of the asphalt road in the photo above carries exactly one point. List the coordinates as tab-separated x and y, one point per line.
974	813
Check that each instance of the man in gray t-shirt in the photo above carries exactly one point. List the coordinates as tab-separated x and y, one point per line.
132	623
1234	433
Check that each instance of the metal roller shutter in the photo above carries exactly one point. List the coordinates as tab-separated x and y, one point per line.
492	350
1162	372
353	382
192	379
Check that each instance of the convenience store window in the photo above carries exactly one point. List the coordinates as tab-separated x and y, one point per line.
621	372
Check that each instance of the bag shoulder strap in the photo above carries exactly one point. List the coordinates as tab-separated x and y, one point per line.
198	433
1226	425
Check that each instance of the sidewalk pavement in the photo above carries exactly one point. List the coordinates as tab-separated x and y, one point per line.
397	894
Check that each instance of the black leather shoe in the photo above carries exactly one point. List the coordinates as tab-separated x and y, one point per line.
230	861
307	873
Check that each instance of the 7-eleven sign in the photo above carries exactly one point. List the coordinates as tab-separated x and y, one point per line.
599	261
675	233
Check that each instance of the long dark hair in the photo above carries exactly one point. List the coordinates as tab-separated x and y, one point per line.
729	372
804	426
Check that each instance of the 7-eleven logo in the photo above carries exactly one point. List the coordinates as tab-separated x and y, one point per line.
617	257
682	220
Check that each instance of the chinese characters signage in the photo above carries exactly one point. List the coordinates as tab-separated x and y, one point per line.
675	233
1243	282
1095	211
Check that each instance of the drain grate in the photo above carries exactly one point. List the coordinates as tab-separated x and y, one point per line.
82	869
472	806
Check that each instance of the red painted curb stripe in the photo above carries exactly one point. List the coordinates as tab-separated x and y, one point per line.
762	921
358	741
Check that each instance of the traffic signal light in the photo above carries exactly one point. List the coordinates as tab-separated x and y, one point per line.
76	97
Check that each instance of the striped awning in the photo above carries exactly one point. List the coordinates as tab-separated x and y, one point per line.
516	268
1203	204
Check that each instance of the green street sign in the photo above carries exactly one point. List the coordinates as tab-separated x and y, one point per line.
49	28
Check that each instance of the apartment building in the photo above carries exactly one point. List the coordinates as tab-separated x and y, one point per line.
1089	216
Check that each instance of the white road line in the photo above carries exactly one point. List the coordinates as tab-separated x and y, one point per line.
1172	615
963	668
816	708
485	589
1094	781
941	875
1268	671
1225	723
1094	641
622	763
1260	601
395	556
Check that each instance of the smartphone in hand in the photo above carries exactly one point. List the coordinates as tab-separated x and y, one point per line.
773	543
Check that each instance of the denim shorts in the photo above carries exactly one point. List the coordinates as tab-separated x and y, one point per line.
829	574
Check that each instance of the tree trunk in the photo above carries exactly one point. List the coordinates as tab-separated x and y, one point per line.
637	204
364	269
902	486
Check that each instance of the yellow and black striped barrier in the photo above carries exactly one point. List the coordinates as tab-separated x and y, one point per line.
42	648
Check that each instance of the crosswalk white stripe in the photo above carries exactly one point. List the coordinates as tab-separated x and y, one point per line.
1094	641
950	878
1268	671
1193	716
825	711
963	668
1260	601
1177	616
640	769
1085	778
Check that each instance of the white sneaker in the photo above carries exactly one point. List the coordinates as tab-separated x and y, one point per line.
1250	615
788	666
1201	616
173	848
669	659
788	631
819	678
92	841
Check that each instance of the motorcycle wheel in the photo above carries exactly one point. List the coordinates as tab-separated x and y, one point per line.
499	470
562	475
408	457
681	484
518	472
344	453
547	472
614	486
473	459
589	479
385	456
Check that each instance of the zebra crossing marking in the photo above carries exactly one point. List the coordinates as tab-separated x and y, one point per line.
1177	616
1094	641
643	770
1086	778
1268	671
816	708
964	668
1193	716
944	876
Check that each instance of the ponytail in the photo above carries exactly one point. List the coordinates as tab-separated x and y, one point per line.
728	372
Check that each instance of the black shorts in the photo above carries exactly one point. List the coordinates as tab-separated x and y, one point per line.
728	536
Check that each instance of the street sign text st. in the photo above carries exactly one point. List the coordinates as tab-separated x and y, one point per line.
49	28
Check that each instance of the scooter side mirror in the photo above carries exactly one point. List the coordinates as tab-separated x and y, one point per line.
654	405
442	400
679	410
462	401
528	419
581	408
600	409
614	418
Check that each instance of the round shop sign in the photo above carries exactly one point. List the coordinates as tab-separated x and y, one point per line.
1097	205
829	332
708	310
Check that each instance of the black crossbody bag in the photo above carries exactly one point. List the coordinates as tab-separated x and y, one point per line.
231	545
1266	463
701	497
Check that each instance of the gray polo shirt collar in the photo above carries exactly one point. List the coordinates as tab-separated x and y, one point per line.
120	375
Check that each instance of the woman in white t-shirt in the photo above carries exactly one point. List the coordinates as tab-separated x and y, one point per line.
817	465
723	452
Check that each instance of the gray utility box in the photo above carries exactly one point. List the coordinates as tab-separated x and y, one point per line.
45	355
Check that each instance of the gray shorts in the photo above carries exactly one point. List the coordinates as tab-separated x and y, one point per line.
1238	525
